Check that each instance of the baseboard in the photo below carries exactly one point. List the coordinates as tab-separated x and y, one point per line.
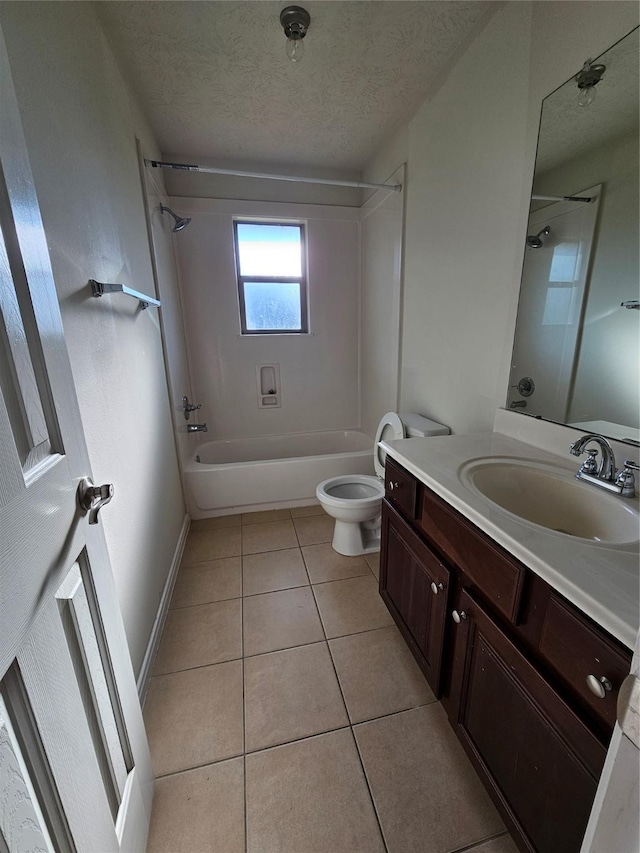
161	615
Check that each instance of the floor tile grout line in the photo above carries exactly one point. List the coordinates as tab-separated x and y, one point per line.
272	651
394	713
191	668
475	844
244	710
266	521
202	603
304	563
233	757
246	818
270	591
364	773
325	639
318	611
368	784
344	727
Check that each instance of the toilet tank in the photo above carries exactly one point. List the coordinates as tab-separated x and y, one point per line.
417	426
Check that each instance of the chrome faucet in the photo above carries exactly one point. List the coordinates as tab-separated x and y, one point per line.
604	475
197	428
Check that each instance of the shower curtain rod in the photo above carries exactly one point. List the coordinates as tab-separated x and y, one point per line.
211	170
586	199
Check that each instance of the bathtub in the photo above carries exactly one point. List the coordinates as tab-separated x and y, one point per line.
247	474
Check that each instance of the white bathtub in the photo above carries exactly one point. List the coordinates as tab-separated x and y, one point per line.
247	474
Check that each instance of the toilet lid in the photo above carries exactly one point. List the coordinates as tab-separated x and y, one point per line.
389	429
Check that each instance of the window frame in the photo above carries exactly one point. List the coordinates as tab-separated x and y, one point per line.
301	280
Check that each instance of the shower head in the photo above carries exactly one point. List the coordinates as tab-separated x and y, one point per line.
181	221
534	242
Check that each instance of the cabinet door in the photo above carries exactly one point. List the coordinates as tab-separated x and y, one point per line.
414	584
538	760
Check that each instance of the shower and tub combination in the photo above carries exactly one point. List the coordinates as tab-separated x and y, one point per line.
227	475
247	474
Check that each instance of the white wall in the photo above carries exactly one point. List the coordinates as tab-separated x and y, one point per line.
464	190
80	121
319	372
381	260
607	382
469	172
164	258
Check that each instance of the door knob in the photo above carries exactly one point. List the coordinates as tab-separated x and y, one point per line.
92	498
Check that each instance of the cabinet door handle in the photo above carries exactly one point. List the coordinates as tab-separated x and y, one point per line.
599	686
393	486
436	588
458	617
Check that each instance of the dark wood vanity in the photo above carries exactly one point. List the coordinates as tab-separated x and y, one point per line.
509	657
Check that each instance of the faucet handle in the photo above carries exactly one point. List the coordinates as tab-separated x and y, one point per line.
188	407
626	480
590	466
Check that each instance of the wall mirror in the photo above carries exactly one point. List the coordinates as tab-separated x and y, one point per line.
576	356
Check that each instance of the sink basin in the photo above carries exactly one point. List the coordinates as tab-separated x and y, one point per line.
551	497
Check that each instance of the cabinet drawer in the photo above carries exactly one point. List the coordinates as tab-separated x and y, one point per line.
401	489
576	650
495	574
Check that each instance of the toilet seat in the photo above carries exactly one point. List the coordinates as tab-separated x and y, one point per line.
390	428
355	500
358	490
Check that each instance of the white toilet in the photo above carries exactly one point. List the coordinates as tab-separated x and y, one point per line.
355	500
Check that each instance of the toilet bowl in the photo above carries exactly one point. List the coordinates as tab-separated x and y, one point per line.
355	500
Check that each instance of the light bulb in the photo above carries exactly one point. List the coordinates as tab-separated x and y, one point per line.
295	49
587	96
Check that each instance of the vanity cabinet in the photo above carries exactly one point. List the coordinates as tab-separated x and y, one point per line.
414	584
514	663
539	760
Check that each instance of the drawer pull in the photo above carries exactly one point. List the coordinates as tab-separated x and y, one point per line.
436	588
458	617
393	486
599	686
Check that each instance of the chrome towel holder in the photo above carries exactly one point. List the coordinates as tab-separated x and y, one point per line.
99	288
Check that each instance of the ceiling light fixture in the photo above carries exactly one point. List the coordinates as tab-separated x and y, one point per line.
587	81
295	21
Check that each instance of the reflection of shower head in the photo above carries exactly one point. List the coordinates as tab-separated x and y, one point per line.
181	222
536	242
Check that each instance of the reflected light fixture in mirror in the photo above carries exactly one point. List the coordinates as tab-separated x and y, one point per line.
587	80
575	337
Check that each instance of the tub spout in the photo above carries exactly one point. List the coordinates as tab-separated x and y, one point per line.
197	428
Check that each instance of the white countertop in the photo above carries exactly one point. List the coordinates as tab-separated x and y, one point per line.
601	580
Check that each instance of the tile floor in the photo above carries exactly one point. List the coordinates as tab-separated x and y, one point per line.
285	713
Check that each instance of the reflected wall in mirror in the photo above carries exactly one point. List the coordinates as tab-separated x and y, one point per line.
576	357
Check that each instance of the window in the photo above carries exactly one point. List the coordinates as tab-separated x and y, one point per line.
272	283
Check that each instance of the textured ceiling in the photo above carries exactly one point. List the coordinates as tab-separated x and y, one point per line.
567	129
215	82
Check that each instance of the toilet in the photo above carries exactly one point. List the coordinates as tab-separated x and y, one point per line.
355	500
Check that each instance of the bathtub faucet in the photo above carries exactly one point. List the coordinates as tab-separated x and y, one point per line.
197	428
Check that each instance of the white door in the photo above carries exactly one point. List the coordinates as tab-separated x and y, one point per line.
552	297
75	772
